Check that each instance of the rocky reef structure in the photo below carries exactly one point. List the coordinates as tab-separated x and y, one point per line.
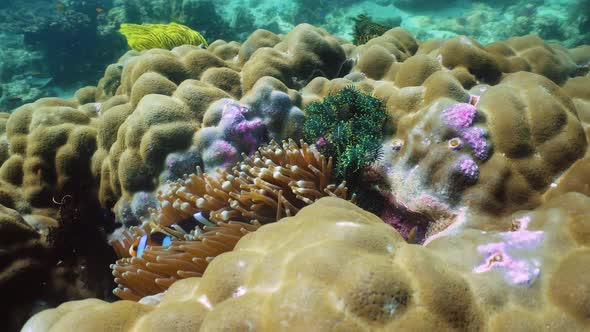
487	21
48	257
19	79
48	47
336	267
475	134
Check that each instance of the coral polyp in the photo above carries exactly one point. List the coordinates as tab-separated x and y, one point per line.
455	143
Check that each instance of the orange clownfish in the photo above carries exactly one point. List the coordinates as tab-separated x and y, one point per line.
153	239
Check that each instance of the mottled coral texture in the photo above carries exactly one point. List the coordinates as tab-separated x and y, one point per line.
466	126
335	267
51	145
157	114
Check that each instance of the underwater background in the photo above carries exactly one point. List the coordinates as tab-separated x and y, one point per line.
52	48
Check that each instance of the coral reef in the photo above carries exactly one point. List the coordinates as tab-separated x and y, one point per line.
448	127
51	144
337	267
21	78
49	52
70	37
49	257
196	121
84	35
158	114
474	133
487	21
501	166
305	53
315	12
277	181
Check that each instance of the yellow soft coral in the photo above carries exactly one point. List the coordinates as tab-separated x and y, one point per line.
141	37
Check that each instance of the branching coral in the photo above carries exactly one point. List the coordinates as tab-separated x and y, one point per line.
275	182
141	37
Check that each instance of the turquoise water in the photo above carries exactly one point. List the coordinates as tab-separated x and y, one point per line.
54	47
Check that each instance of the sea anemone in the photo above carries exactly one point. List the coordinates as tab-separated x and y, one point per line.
276	182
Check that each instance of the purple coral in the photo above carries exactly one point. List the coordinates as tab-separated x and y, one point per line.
502	255
236	128
468	168
221	152
475	137
459	116
232	128
321	142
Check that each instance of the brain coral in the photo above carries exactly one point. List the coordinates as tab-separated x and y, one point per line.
498	156
378	56
51	145
495	128
143	122
533	54
577	177
175	110
487	63
335	267
496	148
306	52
